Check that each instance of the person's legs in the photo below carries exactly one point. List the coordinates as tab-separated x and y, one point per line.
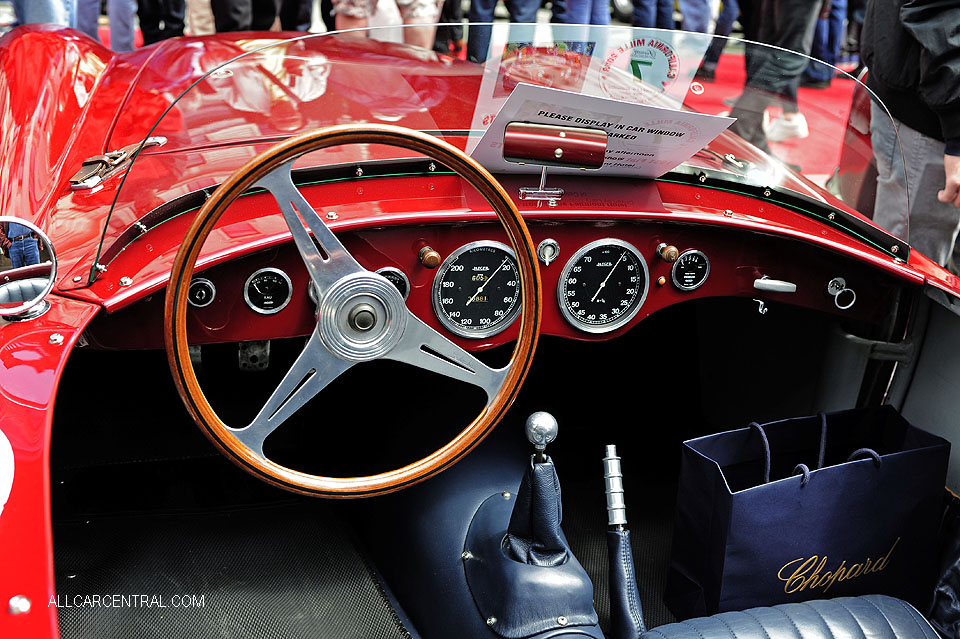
121	14
173	16
150	13
88	18
478	37
230	15
600	12
696	15
645	13
422	12
263	14
42	11
728	15
295	15
665	14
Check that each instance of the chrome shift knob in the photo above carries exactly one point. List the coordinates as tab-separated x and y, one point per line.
541	429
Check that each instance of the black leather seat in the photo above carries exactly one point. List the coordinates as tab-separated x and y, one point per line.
867	617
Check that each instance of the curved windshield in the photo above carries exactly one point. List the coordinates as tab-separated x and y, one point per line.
219	103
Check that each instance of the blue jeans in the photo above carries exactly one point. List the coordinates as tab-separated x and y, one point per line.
728	15
478	38
587	12
826	42
24	252
62	12
653	13
120	12
696	15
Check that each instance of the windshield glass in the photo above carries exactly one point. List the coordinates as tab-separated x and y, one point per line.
219	102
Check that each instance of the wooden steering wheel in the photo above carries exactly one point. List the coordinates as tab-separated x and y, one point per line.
361	317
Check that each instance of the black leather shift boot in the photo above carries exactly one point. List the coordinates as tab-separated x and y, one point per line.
533	536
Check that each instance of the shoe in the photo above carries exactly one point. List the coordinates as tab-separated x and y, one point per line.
810	83
706	73
782	129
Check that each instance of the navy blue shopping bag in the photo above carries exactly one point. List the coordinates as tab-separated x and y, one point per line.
833	505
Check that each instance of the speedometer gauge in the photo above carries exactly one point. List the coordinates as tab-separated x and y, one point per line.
603	286
476	292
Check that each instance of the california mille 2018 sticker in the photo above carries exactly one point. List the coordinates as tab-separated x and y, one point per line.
639	69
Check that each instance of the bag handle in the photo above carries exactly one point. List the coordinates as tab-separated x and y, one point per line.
868	452
803	468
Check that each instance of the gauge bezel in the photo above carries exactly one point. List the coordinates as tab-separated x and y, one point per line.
452	326
261	311
673	271
620	320
201	280
396	271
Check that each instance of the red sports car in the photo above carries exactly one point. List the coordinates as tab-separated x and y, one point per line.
271	275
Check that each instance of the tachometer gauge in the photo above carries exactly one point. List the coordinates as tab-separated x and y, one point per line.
690	270
603	286
476	292
268	291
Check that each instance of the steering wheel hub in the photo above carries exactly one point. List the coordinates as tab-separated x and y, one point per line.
361	317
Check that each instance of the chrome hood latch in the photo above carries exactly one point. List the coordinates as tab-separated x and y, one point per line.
95	170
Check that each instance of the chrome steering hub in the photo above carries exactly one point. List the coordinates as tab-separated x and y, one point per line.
361	317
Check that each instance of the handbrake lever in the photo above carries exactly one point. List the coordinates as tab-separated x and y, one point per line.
626	611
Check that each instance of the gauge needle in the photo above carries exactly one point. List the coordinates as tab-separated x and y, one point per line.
604	282
482	286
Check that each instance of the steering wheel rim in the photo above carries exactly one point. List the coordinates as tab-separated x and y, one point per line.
263	171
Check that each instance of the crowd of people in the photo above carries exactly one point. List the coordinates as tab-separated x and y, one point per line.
914	60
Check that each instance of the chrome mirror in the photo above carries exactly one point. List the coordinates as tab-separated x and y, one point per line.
28	269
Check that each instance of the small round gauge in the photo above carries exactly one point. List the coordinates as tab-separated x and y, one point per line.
201	292
268	291
603	286
398	278
476	292
690	270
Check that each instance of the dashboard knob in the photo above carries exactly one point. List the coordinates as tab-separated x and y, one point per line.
429	257
541	429
668	252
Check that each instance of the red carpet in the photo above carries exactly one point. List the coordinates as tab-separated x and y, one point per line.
826	111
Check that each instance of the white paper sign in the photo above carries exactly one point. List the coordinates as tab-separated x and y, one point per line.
642	140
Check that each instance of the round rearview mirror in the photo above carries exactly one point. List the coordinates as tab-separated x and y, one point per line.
28	269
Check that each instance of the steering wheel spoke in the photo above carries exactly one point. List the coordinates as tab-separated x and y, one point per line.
327	260
313	370
425	348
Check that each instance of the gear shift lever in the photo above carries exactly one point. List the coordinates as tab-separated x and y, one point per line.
541	430
533	535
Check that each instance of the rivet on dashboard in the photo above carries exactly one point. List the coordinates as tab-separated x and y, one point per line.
562	620
19	605
505	494
466	554
432	167
491	621
56	339
100	268
77	278
661	280
126	281
558	153
140	226
702	177
359	172
332	215
831	216
894	249
767	193
728	212
552	203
